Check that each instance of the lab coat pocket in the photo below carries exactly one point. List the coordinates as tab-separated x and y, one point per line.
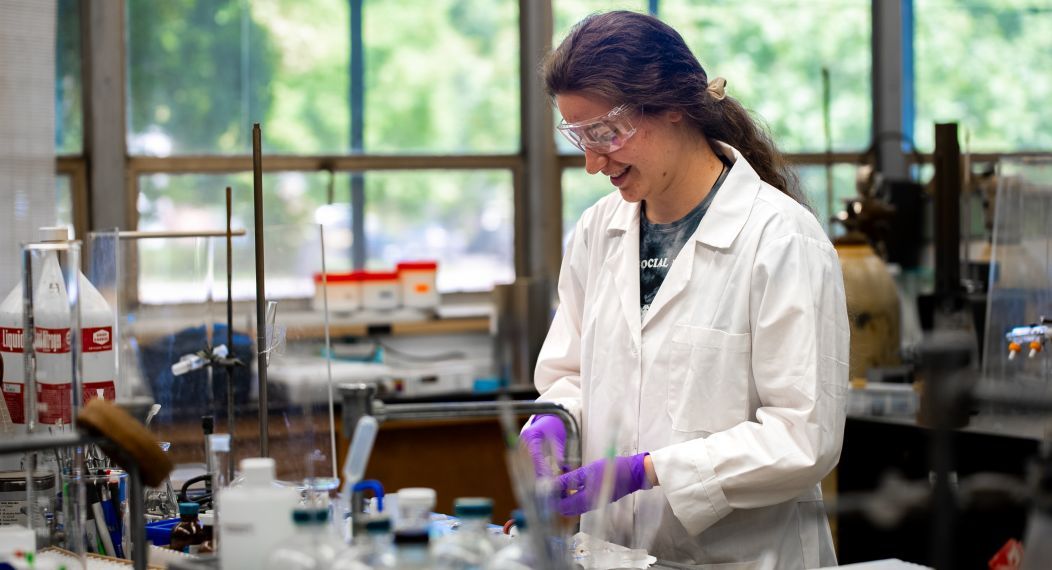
708	383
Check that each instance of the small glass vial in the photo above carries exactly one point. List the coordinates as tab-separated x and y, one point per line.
469	546
188	535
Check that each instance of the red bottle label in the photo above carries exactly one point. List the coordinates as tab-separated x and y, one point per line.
98	339
51	341
11	339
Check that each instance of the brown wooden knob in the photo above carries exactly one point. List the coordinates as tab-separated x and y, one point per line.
124	432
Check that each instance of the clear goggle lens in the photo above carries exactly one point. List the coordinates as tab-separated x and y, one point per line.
603	134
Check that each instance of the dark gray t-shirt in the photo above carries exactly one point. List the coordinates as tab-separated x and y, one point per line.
660	243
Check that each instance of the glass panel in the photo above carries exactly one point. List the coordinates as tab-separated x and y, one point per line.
64	200
69	112
462	219
442	76
200	73
1020	291
998	88
166	334
197	202
814	182
772	53
580	191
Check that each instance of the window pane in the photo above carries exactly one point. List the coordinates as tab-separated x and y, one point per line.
580	190
441	77
69	112
64	200
569	12
815	184
772	53
187	202
463	219
998	87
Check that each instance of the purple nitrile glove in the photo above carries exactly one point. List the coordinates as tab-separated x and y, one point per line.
629	476
545	431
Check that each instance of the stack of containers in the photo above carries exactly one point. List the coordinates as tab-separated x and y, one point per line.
412	285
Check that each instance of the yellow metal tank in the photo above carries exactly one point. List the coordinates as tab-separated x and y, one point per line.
872	306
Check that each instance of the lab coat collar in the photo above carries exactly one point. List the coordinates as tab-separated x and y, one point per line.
726	215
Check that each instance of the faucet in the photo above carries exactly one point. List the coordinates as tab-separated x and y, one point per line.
360	400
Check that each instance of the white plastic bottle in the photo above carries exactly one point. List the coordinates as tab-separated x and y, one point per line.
468	547
254	517
52	343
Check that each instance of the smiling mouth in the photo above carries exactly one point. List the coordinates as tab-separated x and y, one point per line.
618	178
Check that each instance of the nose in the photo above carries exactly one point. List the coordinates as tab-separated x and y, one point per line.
594	162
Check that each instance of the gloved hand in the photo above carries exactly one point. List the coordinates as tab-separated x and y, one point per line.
629	476
545	431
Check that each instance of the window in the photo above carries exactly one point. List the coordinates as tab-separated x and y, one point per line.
997	87
440	76
69	111
463	219
772	53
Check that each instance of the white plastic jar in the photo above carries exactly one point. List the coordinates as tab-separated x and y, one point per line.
418	279
344	291
381	291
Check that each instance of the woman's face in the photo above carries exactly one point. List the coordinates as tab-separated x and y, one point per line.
644	168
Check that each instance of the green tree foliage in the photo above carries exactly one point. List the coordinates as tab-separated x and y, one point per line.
199	74
985	65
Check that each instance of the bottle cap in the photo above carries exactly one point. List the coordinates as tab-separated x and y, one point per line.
520	519
473	507
189	508
411	537
310	516
54	233
258	471
416	497
378	525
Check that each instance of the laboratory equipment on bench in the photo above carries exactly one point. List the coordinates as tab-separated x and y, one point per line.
188	534
255	516
1031	338
468	546
311	547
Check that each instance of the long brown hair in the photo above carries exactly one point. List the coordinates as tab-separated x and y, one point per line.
636	59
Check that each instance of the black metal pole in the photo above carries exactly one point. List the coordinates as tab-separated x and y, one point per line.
261	294
357	97
229	369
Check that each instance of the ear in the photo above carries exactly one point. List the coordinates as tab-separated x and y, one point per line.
674	116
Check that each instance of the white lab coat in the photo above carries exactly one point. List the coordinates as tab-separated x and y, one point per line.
735	380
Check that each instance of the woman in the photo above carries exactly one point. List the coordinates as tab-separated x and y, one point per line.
702	331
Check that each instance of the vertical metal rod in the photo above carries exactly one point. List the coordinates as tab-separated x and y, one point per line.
29	395
71	274
229	332
136	499
357	97
261	294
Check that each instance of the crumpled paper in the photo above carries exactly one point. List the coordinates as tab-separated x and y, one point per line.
592	553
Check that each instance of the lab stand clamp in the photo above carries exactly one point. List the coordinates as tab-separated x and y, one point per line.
359	400
1034	337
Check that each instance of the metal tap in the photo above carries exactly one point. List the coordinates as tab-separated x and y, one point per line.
360	400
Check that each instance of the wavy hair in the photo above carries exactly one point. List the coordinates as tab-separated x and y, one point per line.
636	59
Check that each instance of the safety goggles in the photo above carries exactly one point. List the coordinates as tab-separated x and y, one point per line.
604	134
